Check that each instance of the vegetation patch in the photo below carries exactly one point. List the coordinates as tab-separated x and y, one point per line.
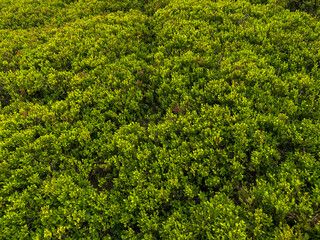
192	119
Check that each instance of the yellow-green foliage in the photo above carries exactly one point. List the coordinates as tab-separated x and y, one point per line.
172	119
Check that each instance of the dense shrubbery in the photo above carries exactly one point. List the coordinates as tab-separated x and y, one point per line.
182	119
310	6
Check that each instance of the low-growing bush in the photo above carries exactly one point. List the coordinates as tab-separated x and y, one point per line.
191	119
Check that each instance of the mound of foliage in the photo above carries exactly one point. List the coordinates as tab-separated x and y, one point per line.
172	119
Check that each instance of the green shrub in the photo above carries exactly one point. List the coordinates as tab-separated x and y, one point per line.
159	120
309	6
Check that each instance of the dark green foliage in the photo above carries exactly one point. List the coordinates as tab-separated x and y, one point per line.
190	119
310	6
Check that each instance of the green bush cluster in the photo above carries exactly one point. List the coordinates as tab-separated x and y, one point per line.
180	119
310	6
